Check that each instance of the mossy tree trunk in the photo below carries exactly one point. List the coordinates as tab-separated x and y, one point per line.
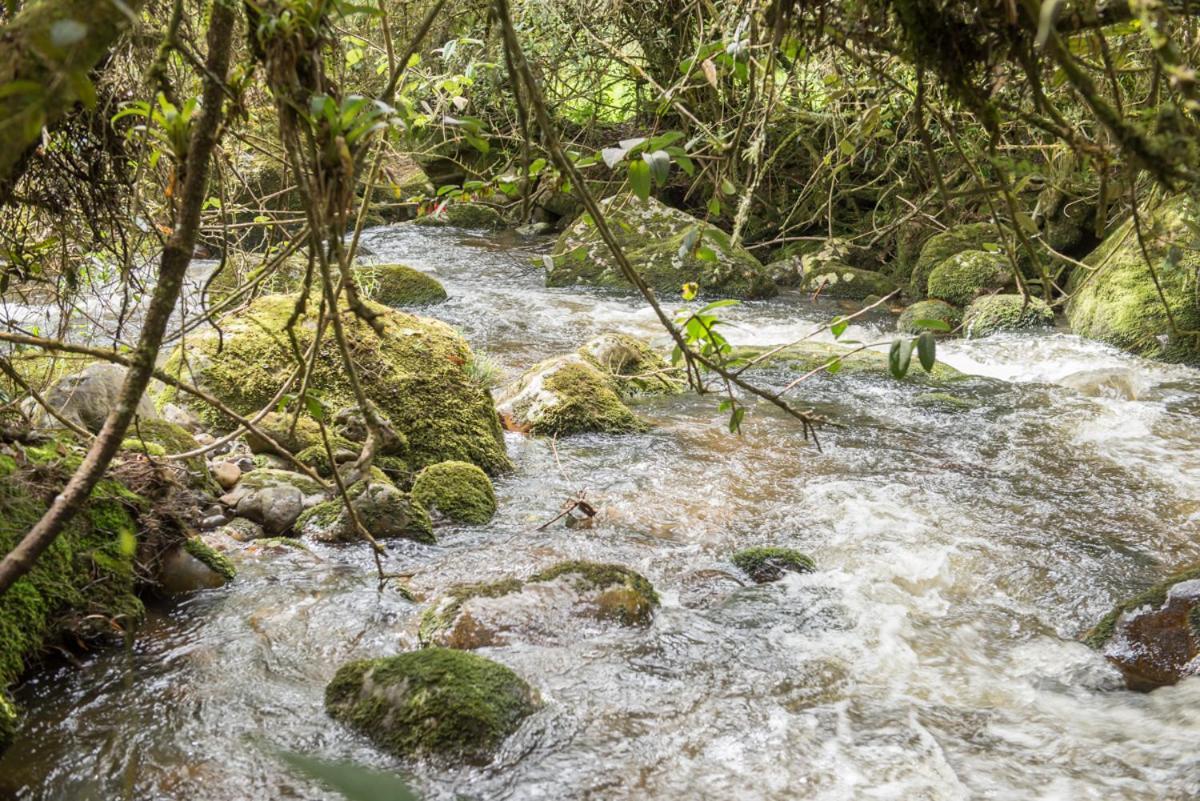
46	52
176	256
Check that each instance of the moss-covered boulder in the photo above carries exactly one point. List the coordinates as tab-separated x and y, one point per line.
289	431
438	703
939	247
83	585
910	319
1116	300
415	374
635	367
399	285
458	491
767	564
385	512
846	283
667	247
463	215
791	264
967	275
1153	638
617	593
992	313
566	395
273	498
562	603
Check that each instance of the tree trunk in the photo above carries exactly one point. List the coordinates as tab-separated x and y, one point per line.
176	257
46	52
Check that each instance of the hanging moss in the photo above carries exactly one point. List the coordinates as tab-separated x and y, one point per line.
458	490
451	706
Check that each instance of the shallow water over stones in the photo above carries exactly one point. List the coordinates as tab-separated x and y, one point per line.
960	549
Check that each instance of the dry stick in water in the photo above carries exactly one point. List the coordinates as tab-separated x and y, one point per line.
176	257
564	163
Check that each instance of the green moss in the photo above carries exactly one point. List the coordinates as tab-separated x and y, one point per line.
9	720
458	490
627	596
320	517
770	563
992	313
464	215
567	395
1153	597
436	703
667	247
440	616
291	432
317	457
636	367
399	285
384	511
840	281
218	562
940	247
927	310
85	578
967	275
1120	304
414	374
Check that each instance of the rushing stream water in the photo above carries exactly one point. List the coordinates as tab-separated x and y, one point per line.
933	655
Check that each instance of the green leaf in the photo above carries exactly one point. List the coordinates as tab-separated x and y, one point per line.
735	419
839	327
718	304
714	206
727	187
899	357
690	290
706	254
660	165
639	179
316	409
834	366
354	782
933	325
927	350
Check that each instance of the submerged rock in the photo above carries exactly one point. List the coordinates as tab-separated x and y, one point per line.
384	511
566	395
399	285
417	374
1114	382
437	703
939	247
766	564
967	275
273	498
85	398
994	313
667	247
456	490
1119	303
1154	638
548	607
927	310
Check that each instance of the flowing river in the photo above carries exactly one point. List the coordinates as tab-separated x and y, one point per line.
961	550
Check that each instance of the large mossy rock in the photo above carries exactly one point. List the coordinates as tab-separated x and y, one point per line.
965	276
82	585
1117	301
566	395
559	604
994	313
635	367
667	247
939	247
463	215
85	398
384	511
416	374
911	319
791	264
399	285
456	491
1154	637
442	704
847	283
